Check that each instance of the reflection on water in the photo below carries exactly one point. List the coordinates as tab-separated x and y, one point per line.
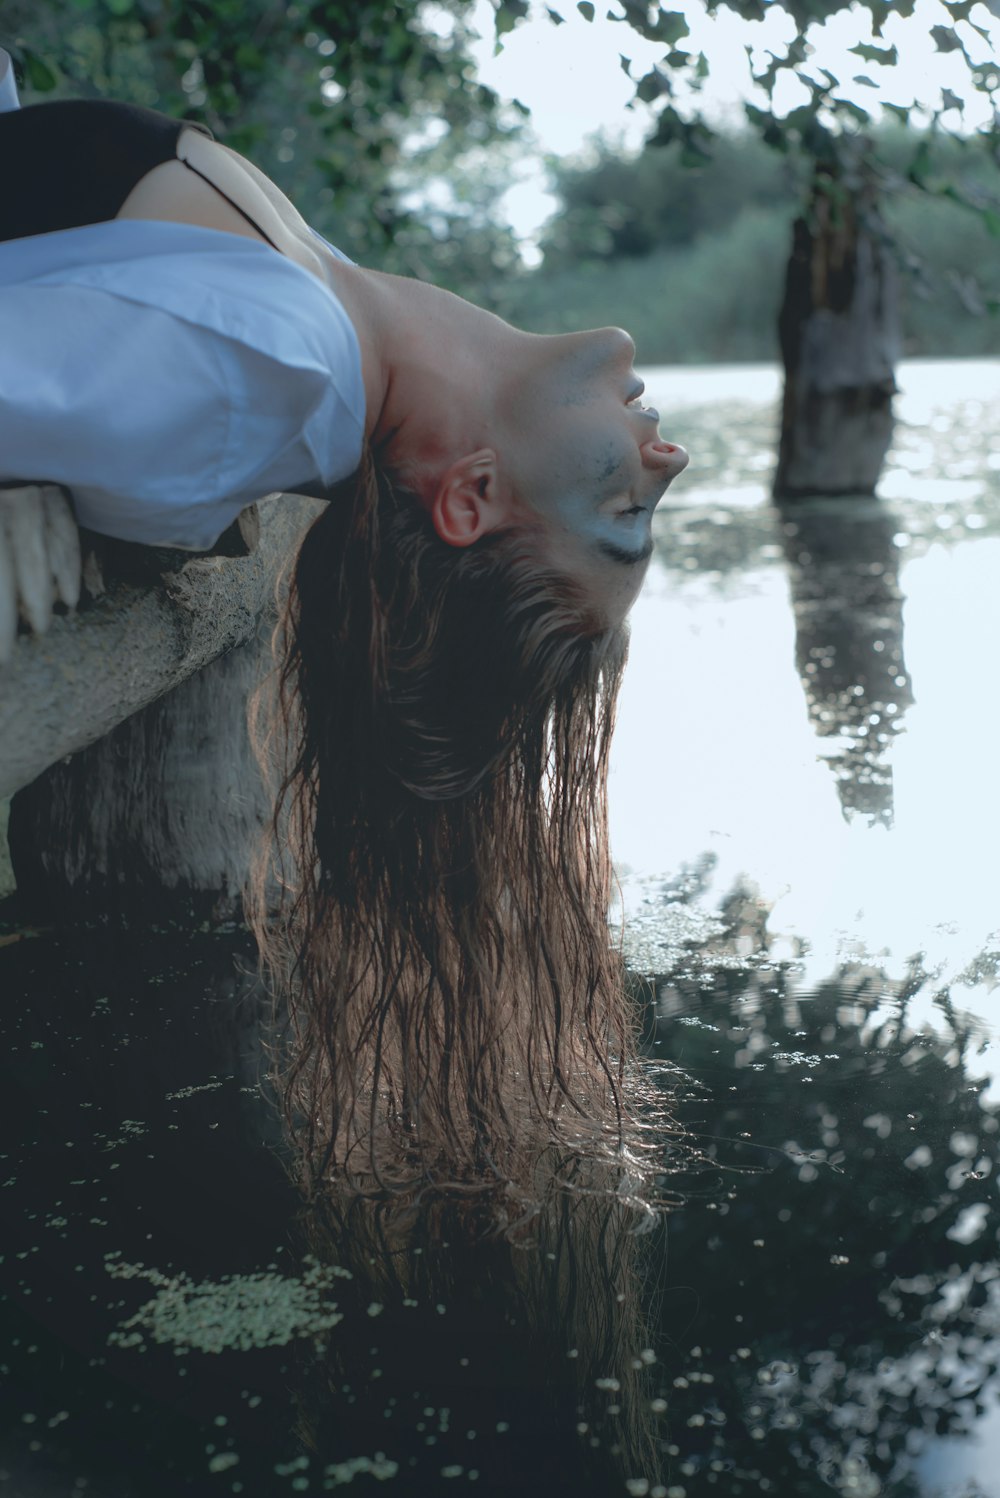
788	741
843	566
805	814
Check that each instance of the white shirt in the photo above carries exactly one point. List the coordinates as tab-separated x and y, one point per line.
169	375
8	88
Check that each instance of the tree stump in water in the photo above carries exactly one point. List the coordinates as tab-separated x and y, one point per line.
840	341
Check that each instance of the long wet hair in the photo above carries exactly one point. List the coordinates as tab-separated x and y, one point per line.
554	1326
432	908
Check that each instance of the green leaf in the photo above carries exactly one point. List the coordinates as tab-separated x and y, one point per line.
586	9
884	55
920	165
986	77
848	107
759	118
800	119
946	38
901	111
669	28
508	13
771	133
666	131
881	10
40	76
959	9
952	101
554	16
653	85
866	82
248	58
626	64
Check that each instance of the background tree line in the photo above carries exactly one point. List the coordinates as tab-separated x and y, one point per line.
694	256
371	118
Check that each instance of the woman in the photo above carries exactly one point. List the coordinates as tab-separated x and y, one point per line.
453	638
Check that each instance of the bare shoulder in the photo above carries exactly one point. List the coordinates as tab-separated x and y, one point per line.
222	183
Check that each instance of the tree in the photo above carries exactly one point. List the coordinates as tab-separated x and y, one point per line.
839	319
391	100
625	206
384	93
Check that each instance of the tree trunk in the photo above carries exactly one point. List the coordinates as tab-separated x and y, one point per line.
839	330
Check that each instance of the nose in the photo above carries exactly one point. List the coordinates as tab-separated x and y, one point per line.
605	345
621	345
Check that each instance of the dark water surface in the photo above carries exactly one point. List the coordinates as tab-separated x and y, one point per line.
806	814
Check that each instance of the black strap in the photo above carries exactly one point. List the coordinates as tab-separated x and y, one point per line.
229	200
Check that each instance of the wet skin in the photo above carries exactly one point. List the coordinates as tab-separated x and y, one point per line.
489	426
592	459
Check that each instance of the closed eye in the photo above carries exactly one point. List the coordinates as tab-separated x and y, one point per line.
635	510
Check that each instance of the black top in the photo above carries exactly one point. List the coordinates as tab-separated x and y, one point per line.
75	161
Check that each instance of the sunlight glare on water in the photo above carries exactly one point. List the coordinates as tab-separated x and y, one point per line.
716	750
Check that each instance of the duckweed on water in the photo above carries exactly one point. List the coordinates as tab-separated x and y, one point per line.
233	1314
185	1092
379	1467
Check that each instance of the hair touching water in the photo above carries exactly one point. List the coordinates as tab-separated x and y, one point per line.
432	905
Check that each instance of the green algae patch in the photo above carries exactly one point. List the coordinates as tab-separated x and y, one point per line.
379	1467
234	1314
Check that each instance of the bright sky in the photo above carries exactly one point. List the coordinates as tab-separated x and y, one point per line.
571	79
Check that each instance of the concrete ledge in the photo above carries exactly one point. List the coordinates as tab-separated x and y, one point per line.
152	629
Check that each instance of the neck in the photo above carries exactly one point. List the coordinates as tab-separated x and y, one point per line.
430	362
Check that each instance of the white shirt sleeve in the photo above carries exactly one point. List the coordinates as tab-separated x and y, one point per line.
8	88
169	375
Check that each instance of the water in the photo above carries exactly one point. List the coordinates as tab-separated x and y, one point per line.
805	815
819	682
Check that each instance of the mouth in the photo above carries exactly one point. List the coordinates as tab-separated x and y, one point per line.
633	403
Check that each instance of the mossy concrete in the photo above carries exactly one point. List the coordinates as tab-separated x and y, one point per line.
94	668
123	734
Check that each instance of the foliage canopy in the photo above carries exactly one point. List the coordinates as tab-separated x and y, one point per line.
386	107
328	96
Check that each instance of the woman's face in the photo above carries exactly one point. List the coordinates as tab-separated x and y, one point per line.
584	456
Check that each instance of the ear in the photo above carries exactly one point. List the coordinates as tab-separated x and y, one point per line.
466	502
